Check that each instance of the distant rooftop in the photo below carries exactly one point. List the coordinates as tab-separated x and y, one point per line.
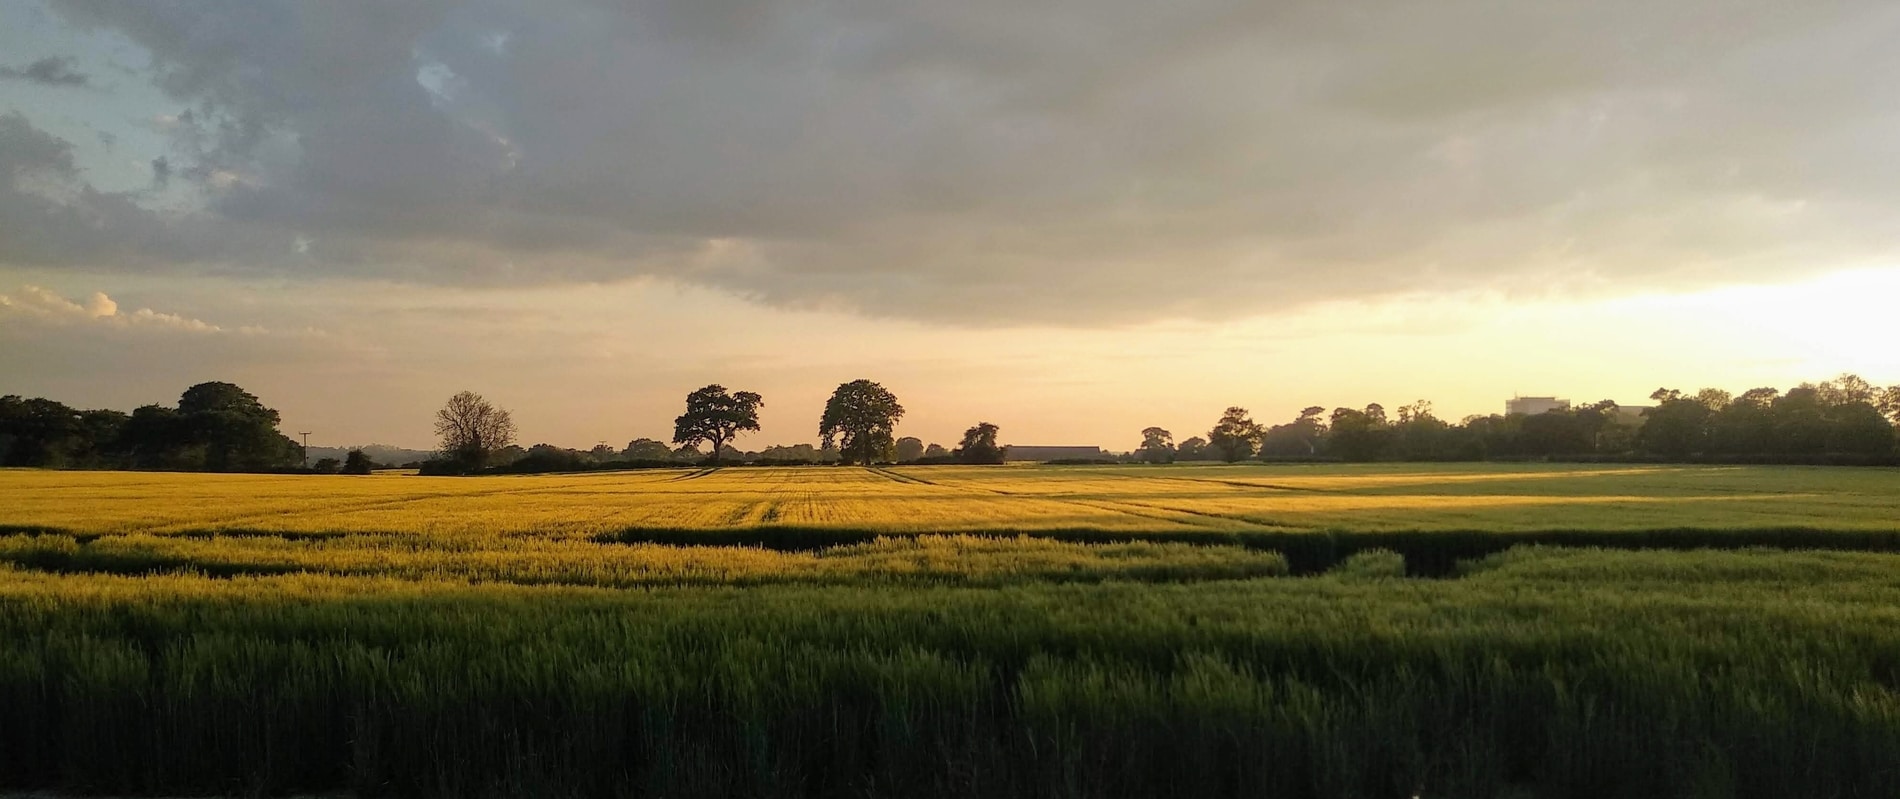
1532	406
1047	453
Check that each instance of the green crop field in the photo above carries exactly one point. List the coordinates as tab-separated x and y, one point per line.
1281	631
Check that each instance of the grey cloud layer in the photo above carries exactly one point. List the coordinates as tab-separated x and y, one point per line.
48	71
50	215
986	160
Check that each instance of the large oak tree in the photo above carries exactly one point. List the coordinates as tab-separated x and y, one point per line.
1236	435
859	420
716	416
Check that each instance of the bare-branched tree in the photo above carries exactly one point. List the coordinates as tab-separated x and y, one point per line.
471	428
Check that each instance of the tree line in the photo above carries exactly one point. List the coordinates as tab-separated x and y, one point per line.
221	427
216	427
1846	420
858	425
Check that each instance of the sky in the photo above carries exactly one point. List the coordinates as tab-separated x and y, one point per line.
1071	219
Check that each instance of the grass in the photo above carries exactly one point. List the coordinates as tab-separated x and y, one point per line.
1014	631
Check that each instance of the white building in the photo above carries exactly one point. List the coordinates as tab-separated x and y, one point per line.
1532	406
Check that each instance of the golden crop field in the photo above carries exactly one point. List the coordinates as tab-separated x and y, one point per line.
964	525
1169	500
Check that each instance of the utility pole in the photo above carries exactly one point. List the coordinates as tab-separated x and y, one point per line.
306	448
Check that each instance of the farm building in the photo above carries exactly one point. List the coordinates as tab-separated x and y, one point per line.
1021	453
1532	406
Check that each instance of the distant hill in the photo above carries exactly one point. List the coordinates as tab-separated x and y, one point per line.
380	453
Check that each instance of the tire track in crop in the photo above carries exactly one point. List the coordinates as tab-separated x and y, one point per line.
885	474
968	489
1157	513
1228	519
900	478
1148	512
1234	483
695	475
1247	520
1222	521
950	487
922	481
1098	505
740	514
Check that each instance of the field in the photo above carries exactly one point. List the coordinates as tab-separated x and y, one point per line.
538	528
1366	631
1170	500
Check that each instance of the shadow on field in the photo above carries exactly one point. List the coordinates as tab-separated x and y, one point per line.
1427	554
203	534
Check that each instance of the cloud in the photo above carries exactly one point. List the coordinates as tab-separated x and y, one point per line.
51	215
101	305
48	71
48	213
32	303
1080	162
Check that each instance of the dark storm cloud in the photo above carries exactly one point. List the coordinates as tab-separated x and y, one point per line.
1082	161
48	71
